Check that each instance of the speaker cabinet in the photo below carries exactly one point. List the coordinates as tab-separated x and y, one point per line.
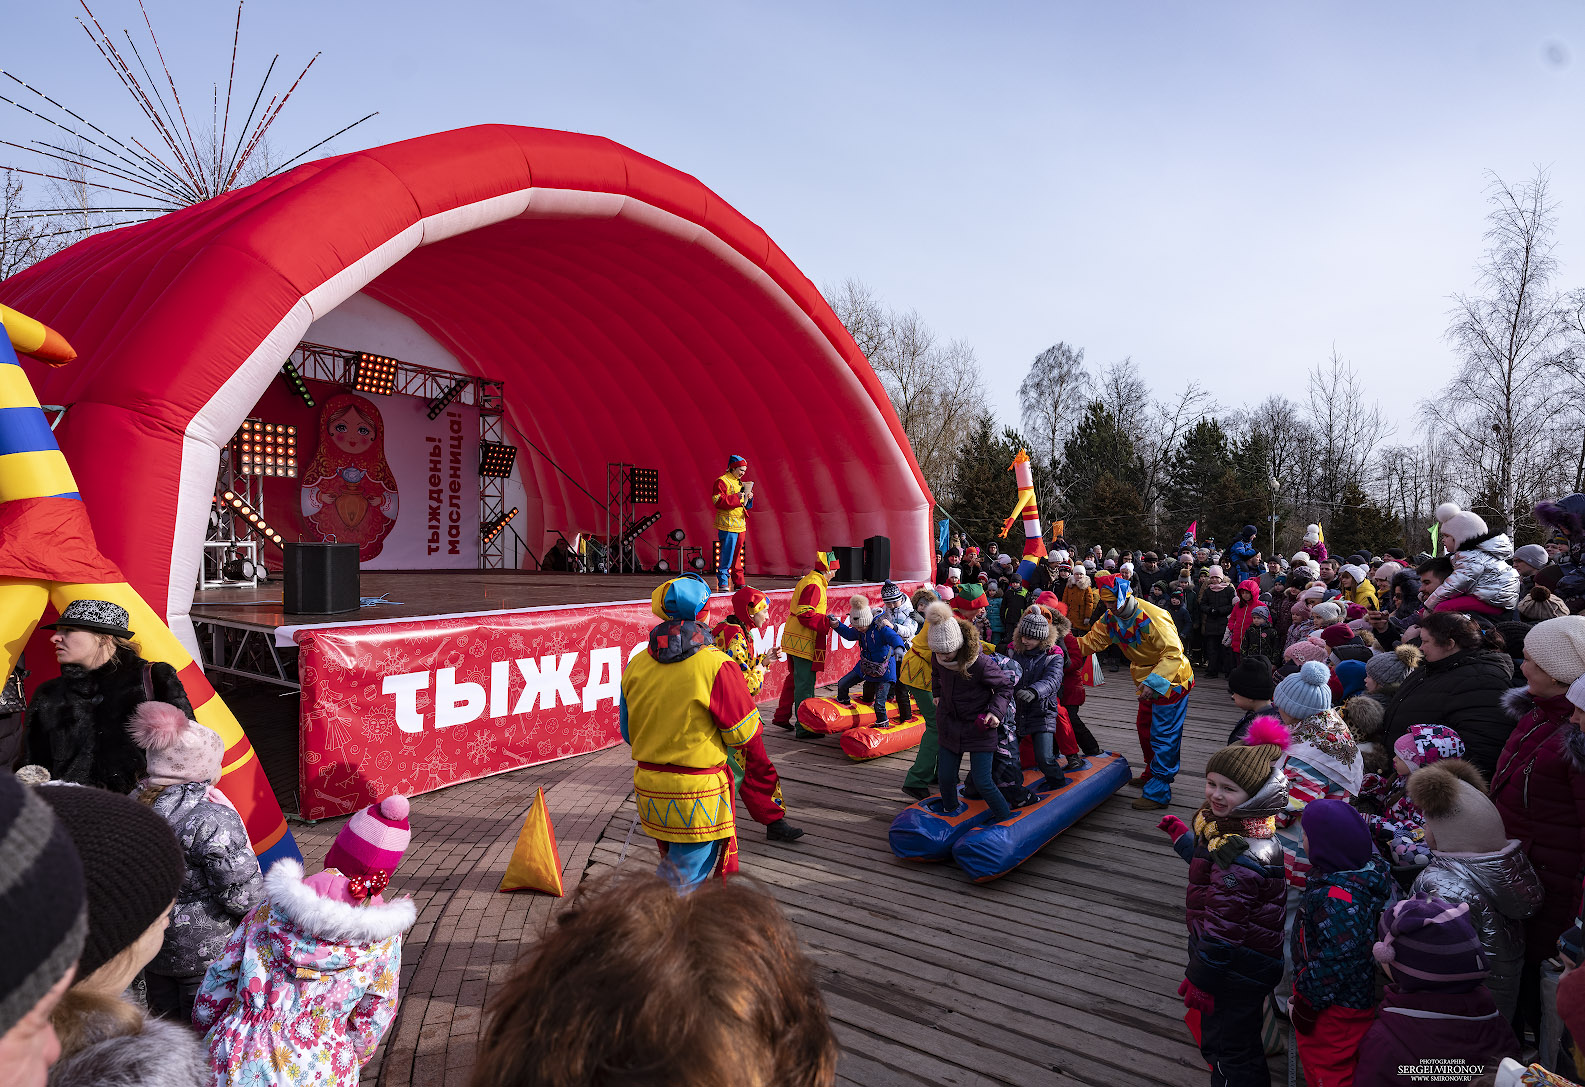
850	564
878	558
320	579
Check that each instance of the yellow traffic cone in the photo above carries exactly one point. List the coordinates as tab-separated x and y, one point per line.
535	863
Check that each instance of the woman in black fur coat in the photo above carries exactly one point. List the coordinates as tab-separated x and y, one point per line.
77	723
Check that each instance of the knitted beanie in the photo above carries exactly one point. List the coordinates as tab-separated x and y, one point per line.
1387	571
373	840
891	594
132	866
1423	745
1514	632
1326	613
1458	814
1033	625
1305	692
945	636
1339	840
1252	678
1304	650
1461	525
1248	764
1533	554
859	613
179	750
1389	670
1351	674
1429	944
43	909
1336	634
1540	604
1557	647
1358	573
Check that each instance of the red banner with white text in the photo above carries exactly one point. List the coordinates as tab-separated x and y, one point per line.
416	705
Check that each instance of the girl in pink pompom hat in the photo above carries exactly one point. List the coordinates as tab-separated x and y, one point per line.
306	987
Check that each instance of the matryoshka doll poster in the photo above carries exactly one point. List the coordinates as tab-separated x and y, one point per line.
348	491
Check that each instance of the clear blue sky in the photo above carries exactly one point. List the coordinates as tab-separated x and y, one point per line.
1220	190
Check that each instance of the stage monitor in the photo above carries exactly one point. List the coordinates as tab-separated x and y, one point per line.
850	564
878	558
320	578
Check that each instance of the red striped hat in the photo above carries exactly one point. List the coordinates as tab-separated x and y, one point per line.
373	840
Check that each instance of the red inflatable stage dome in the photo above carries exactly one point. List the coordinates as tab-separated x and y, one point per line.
631	312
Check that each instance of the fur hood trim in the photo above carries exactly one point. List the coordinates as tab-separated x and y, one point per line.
1434	789
1518	701
328	919
160	1054
1474	542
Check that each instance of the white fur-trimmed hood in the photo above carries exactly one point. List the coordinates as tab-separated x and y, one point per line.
331	920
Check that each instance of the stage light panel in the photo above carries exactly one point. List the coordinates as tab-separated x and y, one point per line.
438	405
493	527
637	528
644	486
295	382
266	449
240	508
373	374
496	459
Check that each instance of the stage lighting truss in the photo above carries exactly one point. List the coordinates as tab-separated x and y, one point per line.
438	405
493	527
496	459
250	515
295	382
266	449
645	484
373	374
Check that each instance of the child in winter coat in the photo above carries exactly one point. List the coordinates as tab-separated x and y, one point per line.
879	646
1434	1004
914	672
1250	686
898	613
1475	862
1334	990
222	881
1482	581
1007	771
1036	697
1355	585
306	987
973	697
1400	828
1234	904
1321	764
1072	695
1248	614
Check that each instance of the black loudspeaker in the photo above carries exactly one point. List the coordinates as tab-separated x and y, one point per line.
878	558
320	578
850	564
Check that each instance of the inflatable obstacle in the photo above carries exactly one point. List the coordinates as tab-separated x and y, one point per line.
829	717
986	851
869	742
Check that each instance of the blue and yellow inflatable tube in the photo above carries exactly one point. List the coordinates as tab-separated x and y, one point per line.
989	851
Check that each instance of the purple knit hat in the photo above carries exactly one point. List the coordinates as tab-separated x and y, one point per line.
1429	944
373	840
1423	745
1339	840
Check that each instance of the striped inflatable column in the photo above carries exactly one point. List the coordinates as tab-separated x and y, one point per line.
1034	536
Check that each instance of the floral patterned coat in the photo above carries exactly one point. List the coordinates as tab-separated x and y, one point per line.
305	988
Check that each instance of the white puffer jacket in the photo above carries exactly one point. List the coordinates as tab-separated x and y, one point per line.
1480	569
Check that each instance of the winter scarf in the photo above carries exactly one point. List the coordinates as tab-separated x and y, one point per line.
1227	839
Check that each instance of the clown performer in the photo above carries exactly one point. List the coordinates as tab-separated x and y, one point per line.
804	641
757	781
684	707
732	500
1147	636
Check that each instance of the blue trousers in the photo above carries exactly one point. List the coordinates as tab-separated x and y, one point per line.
881	689
948	763
1162	723
1045	744
686	865
731	568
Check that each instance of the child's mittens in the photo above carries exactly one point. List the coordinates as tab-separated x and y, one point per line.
1174	827
1409	849
1196	998
1025	694
1301	1014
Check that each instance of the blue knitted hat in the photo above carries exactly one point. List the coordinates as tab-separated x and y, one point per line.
1304	693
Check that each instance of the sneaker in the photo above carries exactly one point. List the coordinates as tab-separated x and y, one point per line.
801	733
784	724
1138	780
843	700
918	792
1144	803
1050	786
783	831
1073	764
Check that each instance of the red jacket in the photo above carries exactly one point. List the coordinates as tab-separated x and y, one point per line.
1539	788
1072	691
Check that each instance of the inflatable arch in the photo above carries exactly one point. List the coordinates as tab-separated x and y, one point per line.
633	315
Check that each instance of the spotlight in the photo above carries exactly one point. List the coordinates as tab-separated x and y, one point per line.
251	516
374	374
438	405
496	459
644	486
676	535
295	382
663	566
266	449
697	562
238	568
493	527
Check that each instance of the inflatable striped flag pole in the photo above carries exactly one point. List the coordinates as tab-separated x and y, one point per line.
48	555
1034	539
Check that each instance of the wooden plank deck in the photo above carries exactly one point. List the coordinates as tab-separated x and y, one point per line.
1062	972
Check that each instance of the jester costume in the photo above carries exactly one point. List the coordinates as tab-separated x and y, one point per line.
731	522
758	784
1149	639
684	706
804	641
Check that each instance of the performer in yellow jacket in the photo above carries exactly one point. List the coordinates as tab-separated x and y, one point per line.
757	781
684	704
804	641
732	500
1149	639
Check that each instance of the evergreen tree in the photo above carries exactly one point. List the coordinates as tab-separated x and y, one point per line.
1101	469
983	491
1359	524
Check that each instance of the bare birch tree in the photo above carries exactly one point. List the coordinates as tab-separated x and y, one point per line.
1051	400
1345	430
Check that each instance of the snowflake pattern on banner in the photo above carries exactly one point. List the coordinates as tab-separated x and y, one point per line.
356	745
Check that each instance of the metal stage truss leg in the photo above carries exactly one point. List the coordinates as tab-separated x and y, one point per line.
236	650
618	513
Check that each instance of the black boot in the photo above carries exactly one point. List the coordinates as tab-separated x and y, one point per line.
783	831
918	792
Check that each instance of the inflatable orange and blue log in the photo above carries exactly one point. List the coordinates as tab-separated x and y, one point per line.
987	851
48	555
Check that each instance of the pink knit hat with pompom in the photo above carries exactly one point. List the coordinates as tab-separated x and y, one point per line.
178	750
1305	650
373	840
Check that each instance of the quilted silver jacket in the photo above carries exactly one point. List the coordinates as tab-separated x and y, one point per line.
1502	890
221	885
1480	568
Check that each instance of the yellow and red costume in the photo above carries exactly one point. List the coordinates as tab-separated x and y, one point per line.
804	640
757	781
731	523
684	705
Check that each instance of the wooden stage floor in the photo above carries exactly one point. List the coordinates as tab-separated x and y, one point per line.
439	592
1062	972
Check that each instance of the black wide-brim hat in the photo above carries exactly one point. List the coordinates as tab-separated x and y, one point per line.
96	616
